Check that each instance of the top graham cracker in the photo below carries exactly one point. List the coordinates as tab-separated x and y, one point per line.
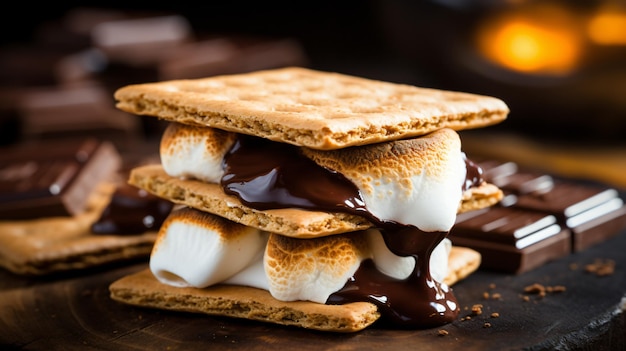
309	108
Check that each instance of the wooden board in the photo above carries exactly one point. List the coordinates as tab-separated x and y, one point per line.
74	311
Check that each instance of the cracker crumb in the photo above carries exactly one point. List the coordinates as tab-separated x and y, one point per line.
487	325
442	332
601	267
495	315
496	296
541	291
492	286
477	309
486	295
535	289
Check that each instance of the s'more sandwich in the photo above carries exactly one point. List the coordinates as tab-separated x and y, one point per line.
309	198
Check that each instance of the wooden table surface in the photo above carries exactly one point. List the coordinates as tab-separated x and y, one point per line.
74	311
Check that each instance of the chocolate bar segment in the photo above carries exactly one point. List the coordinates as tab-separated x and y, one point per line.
53	179
511	240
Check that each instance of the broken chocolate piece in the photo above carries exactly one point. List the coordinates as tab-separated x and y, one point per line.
53	179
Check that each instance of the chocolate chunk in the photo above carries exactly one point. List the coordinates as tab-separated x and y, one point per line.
511	240
53	179
132	211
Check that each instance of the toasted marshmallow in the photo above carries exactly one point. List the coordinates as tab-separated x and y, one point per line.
312	269
198	249
400	267
194	152
415	181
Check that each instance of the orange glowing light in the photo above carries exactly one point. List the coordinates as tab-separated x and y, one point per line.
531	44
608	27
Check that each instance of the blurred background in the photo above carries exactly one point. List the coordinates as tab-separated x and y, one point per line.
559	65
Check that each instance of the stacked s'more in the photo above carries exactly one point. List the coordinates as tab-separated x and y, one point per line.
309	198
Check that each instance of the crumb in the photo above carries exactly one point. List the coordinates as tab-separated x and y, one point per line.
477	309
601	267
496	296
492	286
487	325
541	291
535	289
442	332
495	315
486	295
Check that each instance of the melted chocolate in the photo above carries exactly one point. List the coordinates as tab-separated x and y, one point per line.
268	175
475	174
417	301
132	211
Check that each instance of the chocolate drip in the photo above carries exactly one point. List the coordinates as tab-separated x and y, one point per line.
475	174
417	301
268	175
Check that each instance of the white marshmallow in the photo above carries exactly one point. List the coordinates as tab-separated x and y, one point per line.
197	249
253	275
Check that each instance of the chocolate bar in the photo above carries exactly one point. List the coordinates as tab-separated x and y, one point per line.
539	219
79	109
53	179
229	55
